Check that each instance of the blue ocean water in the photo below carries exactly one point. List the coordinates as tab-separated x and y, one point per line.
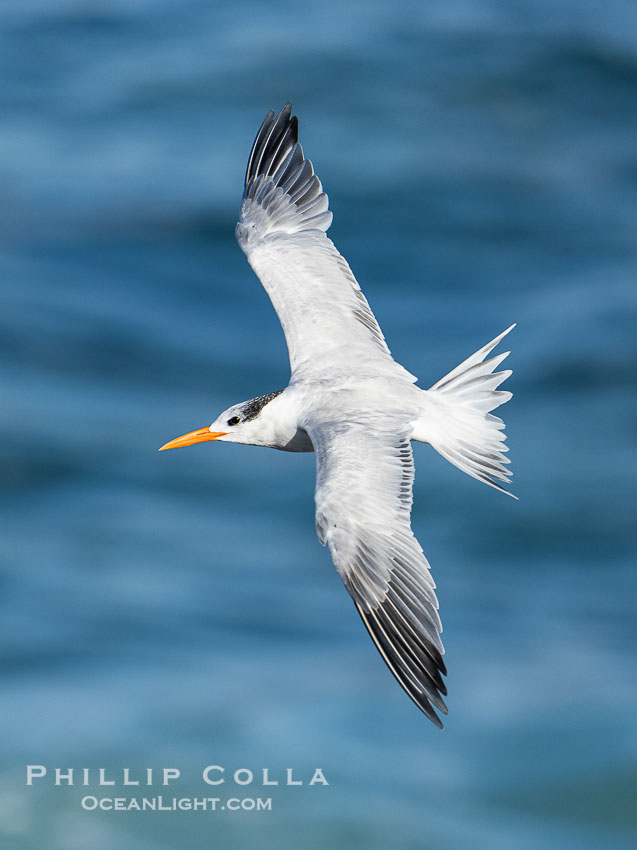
176	610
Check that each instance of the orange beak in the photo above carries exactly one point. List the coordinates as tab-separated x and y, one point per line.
192	437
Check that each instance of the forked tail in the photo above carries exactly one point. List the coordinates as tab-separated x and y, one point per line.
456	418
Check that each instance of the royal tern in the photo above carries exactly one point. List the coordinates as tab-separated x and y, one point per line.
349	401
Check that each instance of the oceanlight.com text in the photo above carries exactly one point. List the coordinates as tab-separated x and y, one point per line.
172	804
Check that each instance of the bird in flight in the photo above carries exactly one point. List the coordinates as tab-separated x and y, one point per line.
358	409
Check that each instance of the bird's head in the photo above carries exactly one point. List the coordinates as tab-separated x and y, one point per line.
242	423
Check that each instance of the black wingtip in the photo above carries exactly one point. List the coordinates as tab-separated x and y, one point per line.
277	162
276	136
413	660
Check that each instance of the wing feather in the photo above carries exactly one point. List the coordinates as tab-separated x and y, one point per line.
284	216
363	504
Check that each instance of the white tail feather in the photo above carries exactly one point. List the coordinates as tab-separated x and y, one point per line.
457	422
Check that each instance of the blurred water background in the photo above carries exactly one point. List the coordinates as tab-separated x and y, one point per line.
176	609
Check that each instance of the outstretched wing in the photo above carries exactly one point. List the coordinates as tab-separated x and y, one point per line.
363	505
284	216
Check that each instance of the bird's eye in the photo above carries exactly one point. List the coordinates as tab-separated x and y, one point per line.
234	420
